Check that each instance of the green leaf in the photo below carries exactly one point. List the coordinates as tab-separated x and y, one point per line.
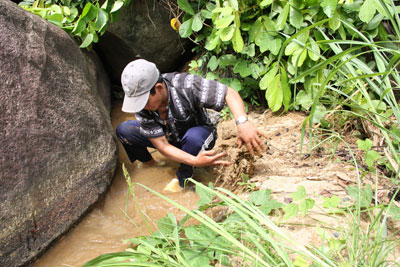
290	48
185	30
290	210
226	34
367	11
237	41
266	81
299	56
274	94
395	212
269	25
265	3
300	194
365	195
117	6
300	262
212	63
185	6
364	145
260	197
295	18
304	99
332	202
264	41
101	20
256	30
282	18
242	68
334	22
56	19
249	50
224	21
86	10
314	53
306	205
87	41
205	196
79	27
212	41
287	93
167	224
370	157
206	14
197	23
329	7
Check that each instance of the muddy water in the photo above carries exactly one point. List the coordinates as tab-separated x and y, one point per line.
104	228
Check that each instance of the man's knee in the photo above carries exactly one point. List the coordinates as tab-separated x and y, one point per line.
125	130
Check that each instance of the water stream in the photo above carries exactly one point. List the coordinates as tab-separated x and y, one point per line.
104	228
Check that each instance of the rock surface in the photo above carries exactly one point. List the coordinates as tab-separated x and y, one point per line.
57	151
142	31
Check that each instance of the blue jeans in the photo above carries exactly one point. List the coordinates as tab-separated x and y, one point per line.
135	144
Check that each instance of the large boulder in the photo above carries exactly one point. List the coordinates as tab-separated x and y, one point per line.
143	31
57	150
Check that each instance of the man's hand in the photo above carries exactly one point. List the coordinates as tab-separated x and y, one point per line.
249	135
208	158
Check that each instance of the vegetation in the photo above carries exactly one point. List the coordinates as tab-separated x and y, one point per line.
325	57
248	236
85	20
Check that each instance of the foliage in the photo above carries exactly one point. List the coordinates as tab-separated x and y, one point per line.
263	44
248	237
84	19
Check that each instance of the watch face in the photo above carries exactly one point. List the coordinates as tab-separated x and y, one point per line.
241	119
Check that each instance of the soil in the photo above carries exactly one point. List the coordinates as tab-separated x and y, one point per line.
283	167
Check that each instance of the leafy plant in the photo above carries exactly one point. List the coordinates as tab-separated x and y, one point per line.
305	204
85	20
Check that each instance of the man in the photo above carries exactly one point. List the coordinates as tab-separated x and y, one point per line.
171	116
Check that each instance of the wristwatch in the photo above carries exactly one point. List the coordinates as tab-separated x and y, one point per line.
241	119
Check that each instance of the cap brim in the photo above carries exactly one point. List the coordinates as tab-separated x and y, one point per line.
135	104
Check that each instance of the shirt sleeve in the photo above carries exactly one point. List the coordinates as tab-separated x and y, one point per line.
207	93
148	126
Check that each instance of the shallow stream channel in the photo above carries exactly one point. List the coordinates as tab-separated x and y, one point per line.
115	218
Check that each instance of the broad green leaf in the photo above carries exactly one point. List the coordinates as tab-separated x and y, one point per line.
212	42
101	20
167	224
275	46
227	60
395	212
212	63
79	27
367	10
86	10
260	197
87	41
206	14
300	262
282	18
242	68
364	145
256	30
224	21
287	93
117	6
332	202
370	157
365	195
334	22
290	48
274	94
264	41
290	210
226	34
212	76
249	50
56	19
295	18
314	53
270	25
185	30
197	23
265	3
225	11
266	81
200	234
329	7
237	41
66	10
306	205
299	194
236	85
205	196
299	56
234	4
185	6
304	99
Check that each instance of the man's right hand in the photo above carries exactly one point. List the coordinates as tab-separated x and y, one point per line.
209	158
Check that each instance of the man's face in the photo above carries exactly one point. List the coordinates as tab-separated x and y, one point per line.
154	101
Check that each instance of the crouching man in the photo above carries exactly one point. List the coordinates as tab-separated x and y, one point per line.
170	111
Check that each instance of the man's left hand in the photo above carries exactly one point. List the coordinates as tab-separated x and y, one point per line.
251	136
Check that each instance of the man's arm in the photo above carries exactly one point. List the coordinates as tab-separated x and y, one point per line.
247	133
204	158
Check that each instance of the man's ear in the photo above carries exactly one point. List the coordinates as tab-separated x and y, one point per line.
159	86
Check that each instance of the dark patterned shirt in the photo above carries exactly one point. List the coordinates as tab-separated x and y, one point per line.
188	97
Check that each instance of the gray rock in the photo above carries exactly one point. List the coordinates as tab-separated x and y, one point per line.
57	150
143	31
